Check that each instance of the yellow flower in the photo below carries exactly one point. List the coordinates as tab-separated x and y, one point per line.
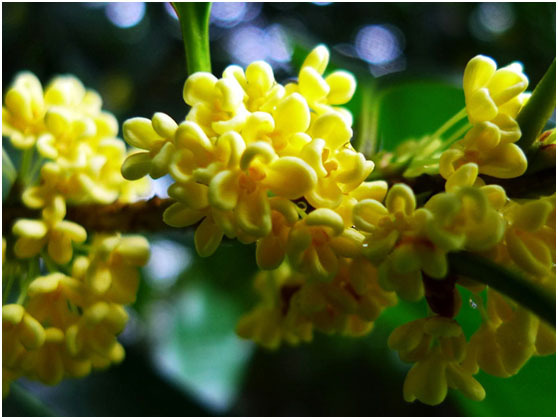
531	236
53	231
56	119
22	116
317	242
437	346
94	335
493	99
505	341
110	269
349	304
66	136
246	187
339	168
47	363
157	137
53	299
21	333
322	93
488	88
275	319
282	126
397	242
238	178
464	219
271	249
217	105
260	90
484	145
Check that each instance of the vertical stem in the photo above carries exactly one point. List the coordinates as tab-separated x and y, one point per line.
8	289
538	109
24	169
366	140
194	21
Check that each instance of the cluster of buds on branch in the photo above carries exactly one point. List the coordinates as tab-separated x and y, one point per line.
272	165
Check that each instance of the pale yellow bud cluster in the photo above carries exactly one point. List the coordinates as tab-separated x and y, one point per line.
70	130
70	306
248	150
478	218
67	324
272	164
292	307
437	347
493	100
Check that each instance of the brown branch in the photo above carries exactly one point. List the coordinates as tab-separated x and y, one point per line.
134	217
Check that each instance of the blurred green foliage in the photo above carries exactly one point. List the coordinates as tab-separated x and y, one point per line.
183	357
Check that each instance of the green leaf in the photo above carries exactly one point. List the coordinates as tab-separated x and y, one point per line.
532	392
198	349
533	116
414	109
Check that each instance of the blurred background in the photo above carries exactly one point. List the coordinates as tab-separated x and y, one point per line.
183	357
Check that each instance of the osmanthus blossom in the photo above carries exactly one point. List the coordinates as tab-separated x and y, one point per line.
64	324
493	99
273	166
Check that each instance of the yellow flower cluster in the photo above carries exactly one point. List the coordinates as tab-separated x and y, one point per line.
273	165
493	99
480	219
292	307
69	310
248	150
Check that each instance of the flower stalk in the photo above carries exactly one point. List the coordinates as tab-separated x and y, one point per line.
194	22
506	282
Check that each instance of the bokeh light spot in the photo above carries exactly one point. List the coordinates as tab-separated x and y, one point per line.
227	14
125	15
250	43
378	44
496	17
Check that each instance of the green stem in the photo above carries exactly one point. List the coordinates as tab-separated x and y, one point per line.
50	264
367	140
533	116
33	272
194	21
8	168
36	168
450	122
24	169
509	283
8	289
455	136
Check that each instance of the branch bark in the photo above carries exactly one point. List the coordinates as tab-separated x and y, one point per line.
133	217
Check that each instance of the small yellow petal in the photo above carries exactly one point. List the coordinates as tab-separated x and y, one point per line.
290	177
207	238
342	85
